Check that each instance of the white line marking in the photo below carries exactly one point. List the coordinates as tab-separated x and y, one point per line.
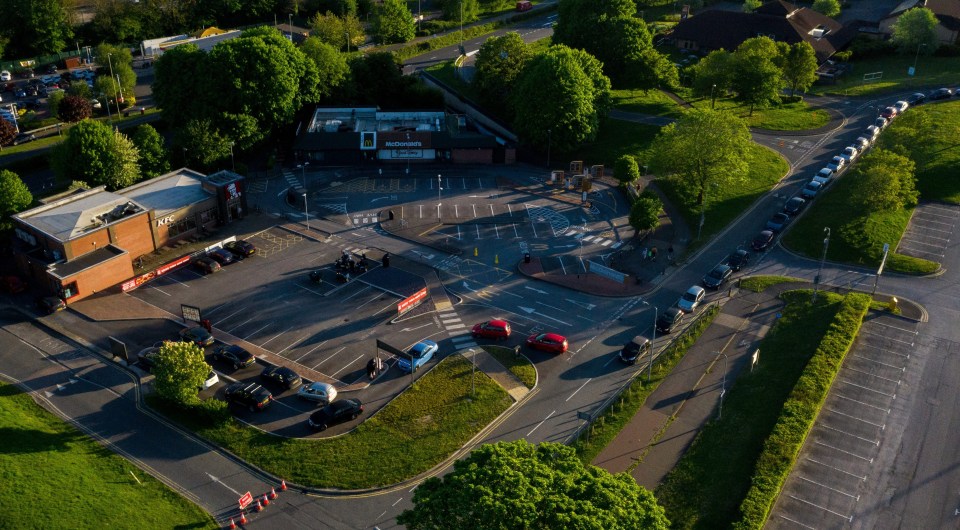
579	389
541	423
161	290
311	351
277	335
347	365
262	328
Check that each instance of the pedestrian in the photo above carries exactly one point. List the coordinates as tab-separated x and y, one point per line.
653	253
670	253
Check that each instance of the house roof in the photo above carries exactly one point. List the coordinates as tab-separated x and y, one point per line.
77	214
779	20
169	192
946	11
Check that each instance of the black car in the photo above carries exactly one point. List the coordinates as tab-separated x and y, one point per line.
235	355
221	256
778	222
240	248
941	93
738	260
206	265
669	319
636	348
196	335
250	395
51	69
281	375
336	412
763	240
916	98
793	206
717	277
51	304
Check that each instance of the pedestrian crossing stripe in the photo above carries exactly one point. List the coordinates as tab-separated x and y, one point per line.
461	338
455	326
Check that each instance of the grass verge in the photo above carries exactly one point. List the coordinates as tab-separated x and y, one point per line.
55	476
611	421
938	180
416	431
518	365
931	71
652	102
616	138
758	284
708	485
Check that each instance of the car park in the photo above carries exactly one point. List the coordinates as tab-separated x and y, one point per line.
889	112
336	412
916	98
811	189
793	206
233	354
316	276
281	376
221	256
319	392
850	153
250	395
941	93
738	259
690	300
206	265
240	248
51	69
491	329
717	276
837	163
778	222
27	73
420	354
901	106
763	240
634	349
51	304
5	76
196	335
549	342
669	319
30	104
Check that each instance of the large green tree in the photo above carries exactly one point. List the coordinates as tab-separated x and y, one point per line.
800	67
516	485
35	27
645	212
179	371
332	68
713	75
180	86
153	159
884	181
338	31
392	22
758	79
93	152
560	97
915	31
498	64
201	143
15	197
704	148
830	8
456	10
626	169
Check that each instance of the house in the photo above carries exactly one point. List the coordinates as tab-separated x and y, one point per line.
780	20
946	11
204	39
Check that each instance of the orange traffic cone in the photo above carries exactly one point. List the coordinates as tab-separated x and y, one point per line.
266	501
273	493
259	507
243	518
283	485
233	525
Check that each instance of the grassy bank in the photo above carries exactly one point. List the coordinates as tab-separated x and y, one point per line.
939	179
518	365
931	71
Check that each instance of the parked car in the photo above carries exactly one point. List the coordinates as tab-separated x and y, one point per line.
888	112
196	335
763	240
717	276
27	73
51	69
916	98
873	131
5	75
95	104
336	412
811	189
691	299
901	106
206	265
837	163
282	376
881	122
793	206
636	348
778	222
13	284
850	153
30	104
23	138
421	354
549	342
212	379
316	276
19	93
221	256
320	392
669	319
148	357
240	248
250	395
235	355
51	304
862	143
738	259
492	329
941	93
824	176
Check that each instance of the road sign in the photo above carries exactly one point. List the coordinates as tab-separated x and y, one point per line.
245	500
412	301
190	313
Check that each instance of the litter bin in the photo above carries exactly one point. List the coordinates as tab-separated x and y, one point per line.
386	260
526	257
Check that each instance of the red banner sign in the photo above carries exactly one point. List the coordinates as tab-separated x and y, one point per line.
412	301
133	283
246	500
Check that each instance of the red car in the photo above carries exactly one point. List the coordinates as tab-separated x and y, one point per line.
889	113
494	329
548	342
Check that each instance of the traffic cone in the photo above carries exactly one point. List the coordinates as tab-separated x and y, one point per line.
283	485
233	525
259	507
243	518
266	501
273	493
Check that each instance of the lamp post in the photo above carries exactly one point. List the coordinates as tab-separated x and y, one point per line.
549	141
233	165
419	16
303	173
461	26
916	58
826	244
713	97
306	212
652	341
723	387
115	88
347	34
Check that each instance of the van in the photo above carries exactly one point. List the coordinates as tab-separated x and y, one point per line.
635	349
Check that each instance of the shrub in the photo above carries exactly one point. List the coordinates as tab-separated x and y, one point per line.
948	50
843	56
786	100
864	47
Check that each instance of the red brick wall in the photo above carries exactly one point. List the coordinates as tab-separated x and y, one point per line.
101	277
133	235
84	244
472	156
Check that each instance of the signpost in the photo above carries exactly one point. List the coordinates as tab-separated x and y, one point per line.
245	500
412	301
606	272
883	262
190	313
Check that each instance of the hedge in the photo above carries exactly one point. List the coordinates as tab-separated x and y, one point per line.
800	411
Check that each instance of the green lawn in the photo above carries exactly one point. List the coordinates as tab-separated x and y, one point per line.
52	140
940	179
447	73
758	284
652	102
416	431
705	489
616	138
518	365
53	476
931	71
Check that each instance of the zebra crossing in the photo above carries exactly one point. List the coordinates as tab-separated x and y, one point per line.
291	179
595	240
460	335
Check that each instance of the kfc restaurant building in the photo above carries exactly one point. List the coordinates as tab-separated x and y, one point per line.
88	240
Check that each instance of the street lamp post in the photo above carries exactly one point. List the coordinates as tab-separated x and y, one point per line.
306	212
549	141
916	58
419	16
723	388
826	244
653	341
233	165
347	34
290	26
303	173
713	97
115	88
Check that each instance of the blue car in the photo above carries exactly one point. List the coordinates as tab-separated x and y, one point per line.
421	352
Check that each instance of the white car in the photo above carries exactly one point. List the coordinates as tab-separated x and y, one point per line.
321	392
691	299
862	144
850	153
901	106
212	379
824	176
5	76
873	131
837	163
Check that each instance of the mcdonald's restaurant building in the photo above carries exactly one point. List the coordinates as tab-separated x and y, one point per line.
356	136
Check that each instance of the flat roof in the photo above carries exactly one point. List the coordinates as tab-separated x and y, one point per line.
169	192
86	261
359	119
77	214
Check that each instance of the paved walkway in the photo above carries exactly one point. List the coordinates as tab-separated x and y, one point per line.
487	364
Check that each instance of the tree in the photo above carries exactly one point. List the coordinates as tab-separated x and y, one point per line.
626	169
338	7
916	31
757	78
750	5
561	94
645	212
830	8
203	143
332	68
713	75
15	196
35	27
153	155
80	88
392	22
800	66
339	32
73	109
704	148
181	83
463	10
517	485
376	79
93	152
179	370
884	181
498	64
7	132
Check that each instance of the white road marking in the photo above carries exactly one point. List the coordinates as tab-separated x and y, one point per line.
579	389
541	423
311	351
346	365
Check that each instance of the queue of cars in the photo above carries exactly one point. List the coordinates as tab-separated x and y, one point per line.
231	252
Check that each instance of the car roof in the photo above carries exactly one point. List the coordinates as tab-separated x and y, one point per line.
695	289
554	336
721	267
496	322
319	385
673	311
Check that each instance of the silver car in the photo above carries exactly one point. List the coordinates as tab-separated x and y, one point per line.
319	392
691	299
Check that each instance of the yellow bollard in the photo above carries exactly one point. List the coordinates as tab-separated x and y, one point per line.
892	305
496	259
474	251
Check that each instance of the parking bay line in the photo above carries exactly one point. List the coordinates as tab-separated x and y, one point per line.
897	381
906	330
862	439
841	396
334	375
240	324
228	316
277	335
882	426
855	497
862	387
366	288
849	518
261	329
297	360
901	368
837	469
159	289
328	358
844	452
784	517
541	423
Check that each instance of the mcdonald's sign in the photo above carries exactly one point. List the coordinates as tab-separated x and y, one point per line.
368	140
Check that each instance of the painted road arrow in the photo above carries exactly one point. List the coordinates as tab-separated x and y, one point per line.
532	311
535	289
588	307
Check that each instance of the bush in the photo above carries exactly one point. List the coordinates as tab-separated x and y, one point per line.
947	50
786	100
843	56
864	47
212	412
